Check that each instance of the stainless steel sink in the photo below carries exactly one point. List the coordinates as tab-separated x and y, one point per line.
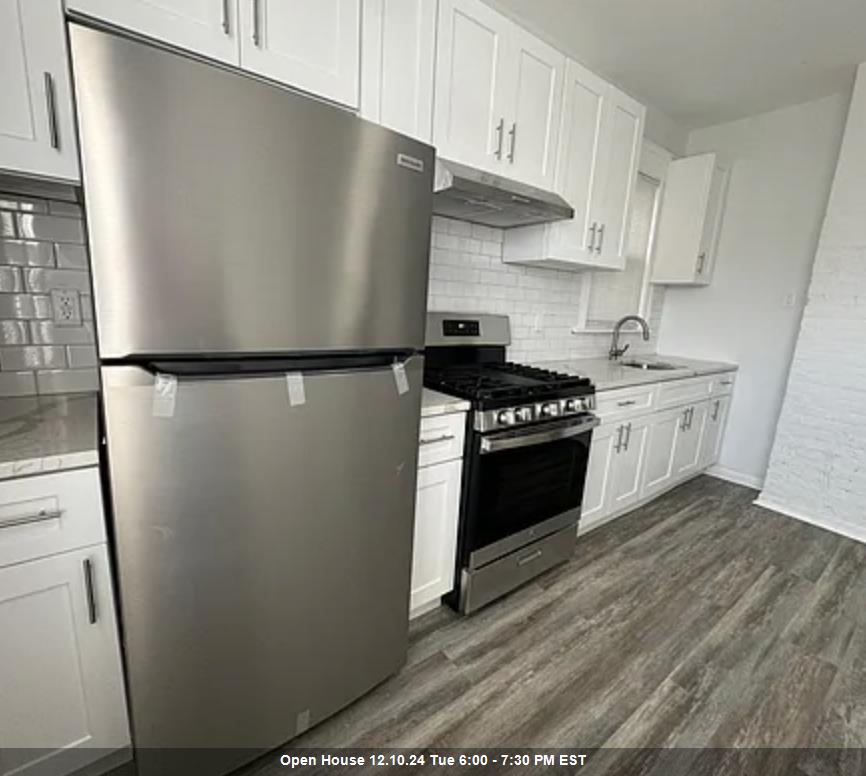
653	366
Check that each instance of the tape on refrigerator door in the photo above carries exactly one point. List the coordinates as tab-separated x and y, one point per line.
295	383
164	396
400	377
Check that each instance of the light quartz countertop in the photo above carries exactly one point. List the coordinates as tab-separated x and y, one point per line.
608	375
434	403
47	434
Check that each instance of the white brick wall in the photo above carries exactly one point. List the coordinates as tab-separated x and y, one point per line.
467	275
818	464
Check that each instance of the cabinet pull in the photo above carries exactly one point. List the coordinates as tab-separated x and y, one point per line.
629	403
627	436
716	410
691	411
51	107
226	28
600	239
257	32
89	590
500	135
36	517
434	440
726	382
618	445
702	257
684	424
512	133
591	237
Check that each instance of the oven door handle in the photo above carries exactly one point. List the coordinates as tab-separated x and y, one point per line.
494	445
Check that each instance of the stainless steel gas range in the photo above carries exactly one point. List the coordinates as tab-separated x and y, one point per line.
525	460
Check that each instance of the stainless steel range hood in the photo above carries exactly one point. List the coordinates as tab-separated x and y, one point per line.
468	194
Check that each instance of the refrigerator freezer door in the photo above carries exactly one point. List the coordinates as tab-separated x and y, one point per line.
263	549
226	215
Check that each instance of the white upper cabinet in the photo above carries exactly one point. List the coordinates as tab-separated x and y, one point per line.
469	113
596	165
207	27
498	94
398	51
313	45
690	221
37	131
535	86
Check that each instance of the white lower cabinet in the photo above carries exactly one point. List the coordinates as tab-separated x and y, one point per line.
652	438
437	507
60	672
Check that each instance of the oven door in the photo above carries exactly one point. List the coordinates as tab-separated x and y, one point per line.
524	484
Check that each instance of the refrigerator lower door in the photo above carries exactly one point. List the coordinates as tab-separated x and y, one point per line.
263	552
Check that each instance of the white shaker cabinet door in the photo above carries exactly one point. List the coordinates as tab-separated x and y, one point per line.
532	133
690	435
37	131
658	474
717	419
312	45
594	507
437	509
60	671
472	100
628	464
619	156
398	50
206	27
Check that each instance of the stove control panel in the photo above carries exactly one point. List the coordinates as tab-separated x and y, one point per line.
491	420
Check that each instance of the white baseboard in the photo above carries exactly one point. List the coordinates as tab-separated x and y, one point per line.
855	532
738	478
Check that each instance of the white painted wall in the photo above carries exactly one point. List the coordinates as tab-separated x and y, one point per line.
783	165
818	466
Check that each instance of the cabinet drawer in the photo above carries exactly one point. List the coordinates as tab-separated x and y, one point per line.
723	385
441	438
50	513
612	406
679	392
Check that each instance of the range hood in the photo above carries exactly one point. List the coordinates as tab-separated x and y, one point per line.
468	194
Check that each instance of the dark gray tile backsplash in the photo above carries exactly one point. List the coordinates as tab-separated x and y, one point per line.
44	273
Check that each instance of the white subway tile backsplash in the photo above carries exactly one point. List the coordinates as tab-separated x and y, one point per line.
7	224
17	383
17	306
10	280
14	333
81	356
71	256
67	381
51	228
25	204
40	280
46	333
32	357
26	253
59	208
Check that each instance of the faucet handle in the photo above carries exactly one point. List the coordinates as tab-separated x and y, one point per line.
616	353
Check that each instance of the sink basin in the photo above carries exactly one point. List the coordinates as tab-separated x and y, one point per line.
653	366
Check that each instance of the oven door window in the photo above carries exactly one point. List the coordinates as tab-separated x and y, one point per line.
520	487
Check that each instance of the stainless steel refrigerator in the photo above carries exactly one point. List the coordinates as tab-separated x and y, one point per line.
260	272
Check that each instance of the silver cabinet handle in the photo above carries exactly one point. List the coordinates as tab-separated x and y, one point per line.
627	436
716	410
434	440
36	517
226	28
257	32
51	106
618	446
529	558
600	239
702	257
726	382
691	412
629	403
500	135
592	232
512	133
89	590
684	424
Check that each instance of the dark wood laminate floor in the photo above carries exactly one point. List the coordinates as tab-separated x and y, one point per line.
697	621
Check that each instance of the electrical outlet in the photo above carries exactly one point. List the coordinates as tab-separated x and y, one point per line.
66	306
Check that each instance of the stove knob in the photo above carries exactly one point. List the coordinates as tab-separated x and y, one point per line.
523	414
573	405
505	418
549	410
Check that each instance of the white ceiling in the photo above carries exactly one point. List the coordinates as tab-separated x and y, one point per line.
704	62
